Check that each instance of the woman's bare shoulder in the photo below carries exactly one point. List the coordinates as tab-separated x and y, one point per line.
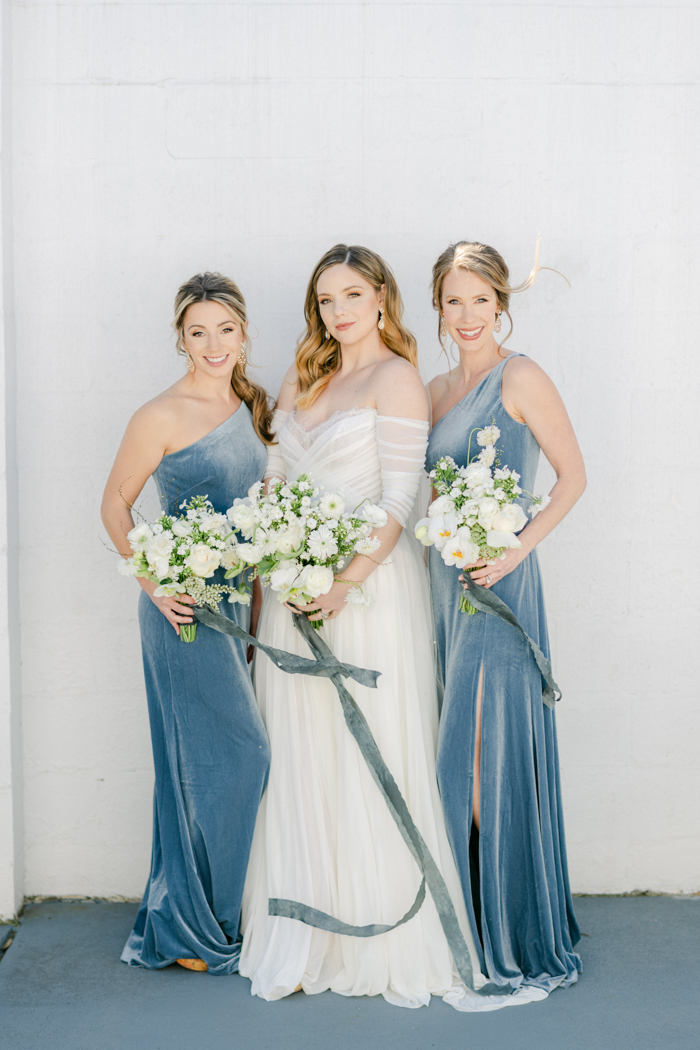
289	390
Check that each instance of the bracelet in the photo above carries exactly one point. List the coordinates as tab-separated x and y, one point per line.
370	558
353	583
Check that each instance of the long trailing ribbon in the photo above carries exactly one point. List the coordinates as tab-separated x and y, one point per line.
486	601
328	666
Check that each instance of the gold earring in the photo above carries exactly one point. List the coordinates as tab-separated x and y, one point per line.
442	329
380	322
497	326
327	335
190	362
242	358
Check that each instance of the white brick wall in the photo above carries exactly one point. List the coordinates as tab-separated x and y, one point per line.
153	140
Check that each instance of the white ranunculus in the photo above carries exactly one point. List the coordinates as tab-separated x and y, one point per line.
488	509
315	580
376	516
242	597
126	567
497	538
288	539
477	475
511	518
332	505
162	545
242	517
441	530
283	578
182	528
421	532
442	505
139	537
202	560
250	553
488	436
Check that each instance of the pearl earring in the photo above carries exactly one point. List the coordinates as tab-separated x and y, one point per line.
498	325
242	358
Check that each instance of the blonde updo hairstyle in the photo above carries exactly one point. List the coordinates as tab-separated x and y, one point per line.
318	358
486	263
213	287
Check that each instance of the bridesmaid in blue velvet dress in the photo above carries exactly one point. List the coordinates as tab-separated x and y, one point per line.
497	758
206	435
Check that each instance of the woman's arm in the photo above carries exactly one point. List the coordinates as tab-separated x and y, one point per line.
530	397
139	454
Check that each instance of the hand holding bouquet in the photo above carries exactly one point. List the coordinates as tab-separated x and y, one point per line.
475	514
180	553
299	539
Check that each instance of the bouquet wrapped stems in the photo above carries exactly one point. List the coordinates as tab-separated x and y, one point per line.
464	604
188	632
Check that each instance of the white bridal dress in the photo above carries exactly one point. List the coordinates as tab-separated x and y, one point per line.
324	835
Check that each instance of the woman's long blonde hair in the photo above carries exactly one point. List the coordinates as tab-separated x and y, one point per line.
213	287
490	266
318	358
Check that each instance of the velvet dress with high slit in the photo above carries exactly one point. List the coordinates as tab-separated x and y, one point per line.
210	747
519	901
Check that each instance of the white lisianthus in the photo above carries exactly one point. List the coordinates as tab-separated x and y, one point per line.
489	435
488	509
496	538
511	518
421	532
376	516
126	567
477	475
315	580
139	537
332	505
367	546
322	543
284	578
442	505
242	517
181	528
202	560
441	530
241	597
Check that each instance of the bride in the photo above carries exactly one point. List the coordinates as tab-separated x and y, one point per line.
353	414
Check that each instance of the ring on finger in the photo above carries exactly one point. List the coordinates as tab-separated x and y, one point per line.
488	579
324	616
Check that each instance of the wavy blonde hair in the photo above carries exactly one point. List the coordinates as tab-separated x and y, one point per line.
318	358
490	266
214	287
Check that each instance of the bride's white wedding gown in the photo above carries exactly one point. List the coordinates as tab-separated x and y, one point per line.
324	835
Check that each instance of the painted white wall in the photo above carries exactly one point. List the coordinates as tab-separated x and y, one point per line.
154	140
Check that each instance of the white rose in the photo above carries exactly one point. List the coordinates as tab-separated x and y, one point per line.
442	505
203	560
242	517
511	518
139	537
441	530
375	515
488	509
250	553
283	578
421	532
496	538
288	539
315	580
477	475
182	528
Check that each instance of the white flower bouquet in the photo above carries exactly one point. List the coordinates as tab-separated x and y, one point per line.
298	538
475	514
180	553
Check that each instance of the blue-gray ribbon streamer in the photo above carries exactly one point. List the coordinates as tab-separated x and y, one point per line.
326	664
486	601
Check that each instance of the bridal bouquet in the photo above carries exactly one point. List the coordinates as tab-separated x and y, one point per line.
180	553
474	515
299	538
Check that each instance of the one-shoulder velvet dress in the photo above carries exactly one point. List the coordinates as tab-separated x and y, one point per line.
527	919
210	748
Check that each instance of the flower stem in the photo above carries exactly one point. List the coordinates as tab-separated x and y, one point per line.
466	606
188	632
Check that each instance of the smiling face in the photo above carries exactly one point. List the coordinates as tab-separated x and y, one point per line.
470	308
213	337
348	303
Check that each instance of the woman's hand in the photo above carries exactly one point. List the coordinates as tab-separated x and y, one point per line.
175	610
327	606
487	575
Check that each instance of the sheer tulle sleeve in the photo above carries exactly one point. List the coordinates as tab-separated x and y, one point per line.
276	467
402	446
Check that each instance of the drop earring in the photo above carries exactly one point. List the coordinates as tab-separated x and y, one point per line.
242	358
327	335
442	330
190	362
380	322
498	324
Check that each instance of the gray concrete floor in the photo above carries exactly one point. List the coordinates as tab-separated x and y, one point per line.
62	987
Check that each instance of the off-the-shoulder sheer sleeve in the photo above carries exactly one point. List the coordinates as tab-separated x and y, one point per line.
402	446
276	467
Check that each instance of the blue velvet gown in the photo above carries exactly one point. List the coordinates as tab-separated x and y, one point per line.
526	916
210	748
